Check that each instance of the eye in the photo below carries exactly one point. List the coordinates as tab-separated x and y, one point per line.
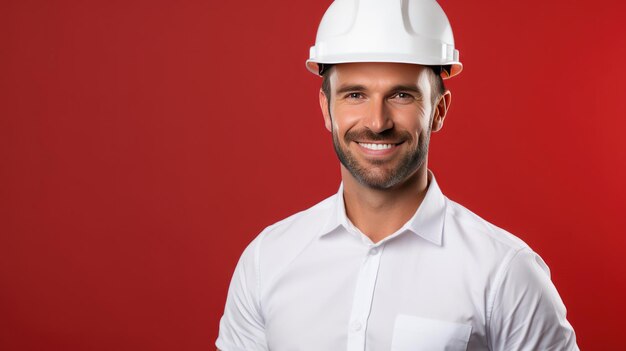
403	96
354	95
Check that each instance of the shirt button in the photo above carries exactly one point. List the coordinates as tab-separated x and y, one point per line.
374	251
356	326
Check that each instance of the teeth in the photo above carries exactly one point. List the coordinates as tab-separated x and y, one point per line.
377	146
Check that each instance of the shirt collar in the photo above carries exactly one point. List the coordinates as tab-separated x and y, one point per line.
427	222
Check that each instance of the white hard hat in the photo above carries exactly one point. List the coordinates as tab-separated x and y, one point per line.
405	31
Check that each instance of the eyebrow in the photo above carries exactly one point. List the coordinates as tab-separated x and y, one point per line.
396	88
347	88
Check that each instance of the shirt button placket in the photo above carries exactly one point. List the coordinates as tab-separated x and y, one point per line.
363	297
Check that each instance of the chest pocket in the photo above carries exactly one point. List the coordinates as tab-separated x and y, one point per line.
411	333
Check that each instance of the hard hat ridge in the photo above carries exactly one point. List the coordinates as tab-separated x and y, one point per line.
407	31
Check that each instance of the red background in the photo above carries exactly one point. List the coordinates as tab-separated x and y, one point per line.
143	144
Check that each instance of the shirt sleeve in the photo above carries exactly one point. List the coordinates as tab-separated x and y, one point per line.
528	313
242	325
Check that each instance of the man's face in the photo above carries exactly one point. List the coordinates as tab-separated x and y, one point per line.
381	116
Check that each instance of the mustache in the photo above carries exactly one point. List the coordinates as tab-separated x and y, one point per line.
366	134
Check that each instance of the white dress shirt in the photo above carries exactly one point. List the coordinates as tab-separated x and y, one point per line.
446	280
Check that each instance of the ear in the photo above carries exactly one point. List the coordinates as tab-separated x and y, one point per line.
441	109
325	112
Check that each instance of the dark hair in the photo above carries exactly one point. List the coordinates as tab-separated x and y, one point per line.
438	87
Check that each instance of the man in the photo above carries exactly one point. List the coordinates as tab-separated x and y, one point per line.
389	263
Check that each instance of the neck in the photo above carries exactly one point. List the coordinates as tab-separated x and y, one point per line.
378	213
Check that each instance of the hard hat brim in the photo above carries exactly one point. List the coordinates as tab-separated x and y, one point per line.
455	67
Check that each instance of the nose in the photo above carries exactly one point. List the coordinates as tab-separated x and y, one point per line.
379	116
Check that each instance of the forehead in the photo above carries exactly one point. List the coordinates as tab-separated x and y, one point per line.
379	75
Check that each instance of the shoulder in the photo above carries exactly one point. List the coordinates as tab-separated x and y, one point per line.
301	225
523	308
466	225
297	227
488	248
278	244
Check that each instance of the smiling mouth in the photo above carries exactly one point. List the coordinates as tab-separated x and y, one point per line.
376	146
